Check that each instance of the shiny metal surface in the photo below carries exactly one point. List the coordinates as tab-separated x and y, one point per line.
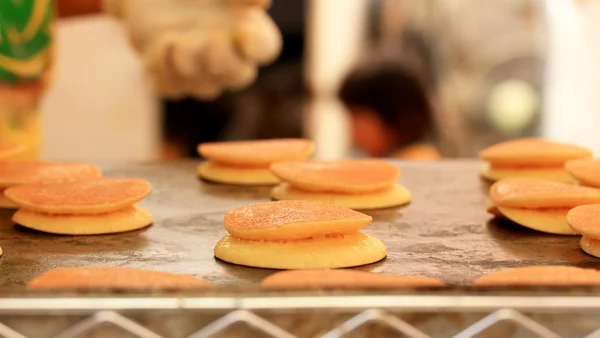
444	233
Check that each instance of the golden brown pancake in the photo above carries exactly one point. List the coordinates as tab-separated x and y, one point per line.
337	251
586	172
256	153
538	204
311	279
97	196
585	220
123	220
290	220
247	162
531	157
394	196
113	278
541	276
347	176
29	172
535	193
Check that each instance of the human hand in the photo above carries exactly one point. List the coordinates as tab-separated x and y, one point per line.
200	48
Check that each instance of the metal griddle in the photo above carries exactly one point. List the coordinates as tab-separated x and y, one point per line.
445	232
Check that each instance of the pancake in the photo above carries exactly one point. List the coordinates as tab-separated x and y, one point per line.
541	276
590	246
340	251
29	172
551	221
534	193
558	174
113	278
97	196
259	152
394	196
347	176
585	220
9	151
127	219
234	175
311	279
534	152
291	220
586	172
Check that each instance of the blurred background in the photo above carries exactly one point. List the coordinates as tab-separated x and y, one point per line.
416	79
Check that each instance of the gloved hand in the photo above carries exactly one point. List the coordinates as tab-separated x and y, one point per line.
200	48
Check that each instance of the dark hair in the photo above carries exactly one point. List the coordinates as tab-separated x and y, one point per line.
390	90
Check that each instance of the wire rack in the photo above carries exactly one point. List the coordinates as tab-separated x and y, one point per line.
294	316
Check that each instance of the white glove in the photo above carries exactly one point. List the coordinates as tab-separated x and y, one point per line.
200	47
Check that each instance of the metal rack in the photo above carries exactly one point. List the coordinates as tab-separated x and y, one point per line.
458	314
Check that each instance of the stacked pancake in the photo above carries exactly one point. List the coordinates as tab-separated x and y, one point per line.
585	172
298	235
356	184
248	162
539	204
14	174
585	220
344	279
531	157
541	276
113	278
91	207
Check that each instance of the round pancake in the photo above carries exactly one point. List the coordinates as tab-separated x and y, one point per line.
585	220
551	221
127	219
98	196
347	176
394	196
311	279
341	251
9	151
291	220
551	174
586	172
590	246
521	192
29	172
263	152
533	151
113	278
235	175
541	276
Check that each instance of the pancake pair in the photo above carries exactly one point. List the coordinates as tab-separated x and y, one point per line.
16	173
538	204
113	278
531	157
356	184
248	162
298	235
90	207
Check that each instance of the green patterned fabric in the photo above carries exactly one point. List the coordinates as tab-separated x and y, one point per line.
25	37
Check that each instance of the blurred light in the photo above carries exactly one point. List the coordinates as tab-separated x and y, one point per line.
512	105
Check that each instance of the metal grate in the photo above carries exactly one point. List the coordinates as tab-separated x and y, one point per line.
279	317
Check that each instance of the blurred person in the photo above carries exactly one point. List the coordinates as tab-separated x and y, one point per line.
390	112
197	49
